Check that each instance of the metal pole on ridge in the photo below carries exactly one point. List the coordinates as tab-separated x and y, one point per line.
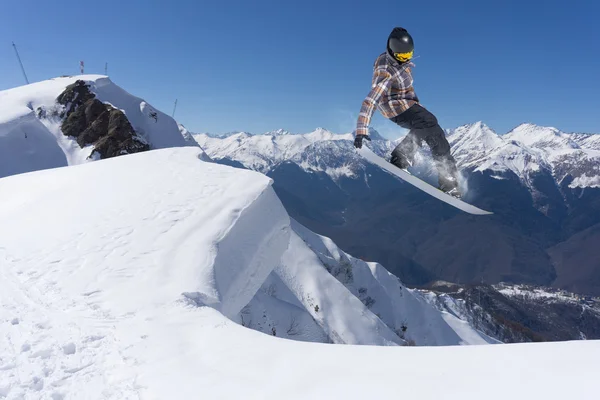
174	108
20	62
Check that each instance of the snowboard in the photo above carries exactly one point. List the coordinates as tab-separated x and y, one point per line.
419	184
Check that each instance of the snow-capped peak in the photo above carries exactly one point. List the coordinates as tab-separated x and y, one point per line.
226	134
278	132
475	137
541	137
323	134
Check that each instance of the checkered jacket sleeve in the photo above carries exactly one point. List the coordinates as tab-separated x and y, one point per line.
382	80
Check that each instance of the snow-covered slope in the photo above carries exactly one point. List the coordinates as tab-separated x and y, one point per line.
151	216
118	277
404	310
30	129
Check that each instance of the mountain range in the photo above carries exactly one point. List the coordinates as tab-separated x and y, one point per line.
542	184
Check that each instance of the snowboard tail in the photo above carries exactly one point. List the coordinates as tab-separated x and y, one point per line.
420	184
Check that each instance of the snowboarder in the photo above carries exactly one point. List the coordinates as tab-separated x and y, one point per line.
393	94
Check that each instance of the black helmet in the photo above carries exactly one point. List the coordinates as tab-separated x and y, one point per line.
400	45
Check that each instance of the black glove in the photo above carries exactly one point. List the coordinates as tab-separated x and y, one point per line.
359	139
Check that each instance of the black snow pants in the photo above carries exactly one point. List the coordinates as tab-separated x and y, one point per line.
423	126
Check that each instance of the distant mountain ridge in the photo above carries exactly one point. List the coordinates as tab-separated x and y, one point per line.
543	185
522	150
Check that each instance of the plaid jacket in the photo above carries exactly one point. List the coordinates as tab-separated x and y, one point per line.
392	91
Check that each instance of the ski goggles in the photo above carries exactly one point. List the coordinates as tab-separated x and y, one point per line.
403	57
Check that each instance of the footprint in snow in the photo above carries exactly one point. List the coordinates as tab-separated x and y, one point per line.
93	338
44	354
69	348
77	369
43	325
37	384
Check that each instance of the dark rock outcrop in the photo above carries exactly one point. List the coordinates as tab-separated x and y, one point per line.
92	122
74	96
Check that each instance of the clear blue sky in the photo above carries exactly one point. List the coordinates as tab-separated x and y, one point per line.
262	65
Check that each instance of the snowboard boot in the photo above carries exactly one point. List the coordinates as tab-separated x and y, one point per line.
400	160
449	185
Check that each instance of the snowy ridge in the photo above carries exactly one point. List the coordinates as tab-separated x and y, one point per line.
30	132
541	137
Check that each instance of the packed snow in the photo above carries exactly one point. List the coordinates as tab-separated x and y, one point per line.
31	138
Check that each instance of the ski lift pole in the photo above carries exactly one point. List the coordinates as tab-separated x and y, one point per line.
174	108
20	62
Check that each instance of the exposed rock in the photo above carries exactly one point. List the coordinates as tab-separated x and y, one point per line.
121	138
74	96
93	118
95	123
